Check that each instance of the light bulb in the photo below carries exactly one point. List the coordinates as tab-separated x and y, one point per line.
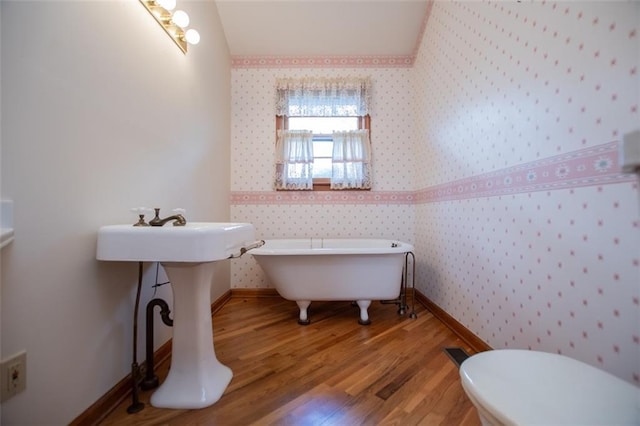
167	4
192	36
180	18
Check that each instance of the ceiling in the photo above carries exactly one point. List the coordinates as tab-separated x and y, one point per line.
322	27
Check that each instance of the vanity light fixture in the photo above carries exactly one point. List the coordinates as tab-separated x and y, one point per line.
174	23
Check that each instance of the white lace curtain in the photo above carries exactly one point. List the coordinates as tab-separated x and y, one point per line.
323	97
351	162
294	160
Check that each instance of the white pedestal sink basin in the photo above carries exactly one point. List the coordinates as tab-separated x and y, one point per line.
194	242
188	254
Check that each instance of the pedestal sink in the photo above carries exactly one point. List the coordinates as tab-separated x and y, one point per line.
188	254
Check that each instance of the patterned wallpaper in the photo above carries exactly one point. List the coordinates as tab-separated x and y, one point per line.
387	212
507	82
525	230
496	155
253	125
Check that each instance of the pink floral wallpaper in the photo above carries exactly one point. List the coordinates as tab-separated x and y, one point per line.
526	232
496	155
387	212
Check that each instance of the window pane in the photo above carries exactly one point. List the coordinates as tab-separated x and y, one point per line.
323	125
322	148
322	128
322	168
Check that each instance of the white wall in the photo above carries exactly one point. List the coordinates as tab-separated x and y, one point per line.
0	195
101	113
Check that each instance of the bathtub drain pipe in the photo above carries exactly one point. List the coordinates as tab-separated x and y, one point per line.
151	381
413	314
401	301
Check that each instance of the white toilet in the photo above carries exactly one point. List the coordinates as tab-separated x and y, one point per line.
520	387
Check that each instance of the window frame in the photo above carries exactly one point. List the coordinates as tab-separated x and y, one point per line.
324	184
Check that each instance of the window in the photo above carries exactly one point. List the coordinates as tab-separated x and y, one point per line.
331	116
322	129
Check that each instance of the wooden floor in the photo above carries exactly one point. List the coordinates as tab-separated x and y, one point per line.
331	372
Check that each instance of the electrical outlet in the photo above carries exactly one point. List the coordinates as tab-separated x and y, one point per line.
13	375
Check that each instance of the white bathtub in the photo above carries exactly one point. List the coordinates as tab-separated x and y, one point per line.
316	269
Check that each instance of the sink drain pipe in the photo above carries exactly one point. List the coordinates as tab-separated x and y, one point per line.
151	381
136	405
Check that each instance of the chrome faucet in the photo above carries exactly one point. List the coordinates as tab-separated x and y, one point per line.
178	219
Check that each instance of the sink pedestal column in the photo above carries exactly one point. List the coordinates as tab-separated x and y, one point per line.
196	378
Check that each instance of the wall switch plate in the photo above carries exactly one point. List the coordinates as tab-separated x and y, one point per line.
630	152
13	375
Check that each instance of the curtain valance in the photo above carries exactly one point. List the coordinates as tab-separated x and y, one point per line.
323	97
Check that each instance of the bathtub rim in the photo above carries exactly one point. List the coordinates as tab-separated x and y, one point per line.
265	250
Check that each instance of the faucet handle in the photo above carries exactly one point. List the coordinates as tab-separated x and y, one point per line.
140	211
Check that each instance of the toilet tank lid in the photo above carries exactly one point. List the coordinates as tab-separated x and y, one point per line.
531	387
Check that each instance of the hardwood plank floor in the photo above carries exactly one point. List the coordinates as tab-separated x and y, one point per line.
331	372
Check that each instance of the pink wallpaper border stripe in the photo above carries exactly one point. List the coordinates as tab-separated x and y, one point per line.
400	61
324	197
593	166
597	165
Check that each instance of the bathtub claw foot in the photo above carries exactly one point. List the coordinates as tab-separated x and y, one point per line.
303	305
364	314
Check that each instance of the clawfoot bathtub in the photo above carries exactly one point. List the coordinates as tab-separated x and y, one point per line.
360	270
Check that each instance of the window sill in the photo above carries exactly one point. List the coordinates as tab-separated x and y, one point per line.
319	187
